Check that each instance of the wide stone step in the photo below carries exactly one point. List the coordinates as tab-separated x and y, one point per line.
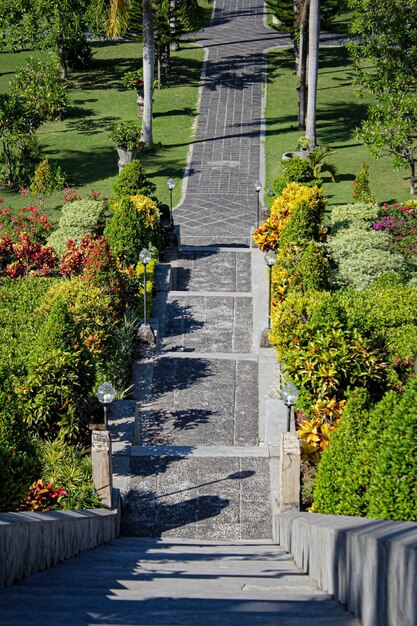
208	324
172	583
198	497
201	401
212	270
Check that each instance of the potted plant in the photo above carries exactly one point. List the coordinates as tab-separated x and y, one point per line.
304	143
127	138
134	80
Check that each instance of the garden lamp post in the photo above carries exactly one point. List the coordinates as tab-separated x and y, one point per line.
170	185
257	189
105	395
270	258
144	257
289	396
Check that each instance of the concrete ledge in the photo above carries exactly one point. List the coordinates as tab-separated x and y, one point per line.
32	542
368	565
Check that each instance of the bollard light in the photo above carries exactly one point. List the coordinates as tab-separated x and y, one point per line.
257	189
270	258
144	257
105	395
289	396
170	185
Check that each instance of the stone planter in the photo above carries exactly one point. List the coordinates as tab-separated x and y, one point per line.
303	154
139	102
125	156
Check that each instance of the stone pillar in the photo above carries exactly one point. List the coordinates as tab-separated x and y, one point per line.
290	472
102	470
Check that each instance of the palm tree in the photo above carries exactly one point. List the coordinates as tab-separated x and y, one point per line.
313	64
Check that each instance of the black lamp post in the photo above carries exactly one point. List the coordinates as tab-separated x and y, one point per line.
270	258
170	185
257	189
289	396
144	257
105	395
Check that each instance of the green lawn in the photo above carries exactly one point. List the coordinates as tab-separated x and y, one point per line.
80	143
339	112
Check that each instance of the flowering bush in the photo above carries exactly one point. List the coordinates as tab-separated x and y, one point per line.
400	222
25	220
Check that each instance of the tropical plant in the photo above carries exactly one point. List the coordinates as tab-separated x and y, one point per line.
318	164
78	218
40	84
42	497
126	135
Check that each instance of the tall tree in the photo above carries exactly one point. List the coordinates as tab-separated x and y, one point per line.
313	66
384	50
44	24
148	70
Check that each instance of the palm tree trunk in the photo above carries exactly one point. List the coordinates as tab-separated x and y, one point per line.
302	93
313	65
148	70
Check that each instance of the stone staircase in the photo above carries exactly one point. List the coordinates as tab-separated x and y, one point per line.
197	469
154	582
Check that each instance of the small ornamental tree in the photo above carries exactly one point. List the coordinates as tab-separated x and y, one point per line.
18	121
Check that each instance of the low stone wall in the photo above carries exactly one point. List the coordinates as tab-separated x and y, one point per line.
368	565
32	542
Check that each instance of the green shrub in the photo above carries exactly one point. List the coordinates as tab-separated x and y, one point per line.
303	225
344	215
78	219
362	255
39	83
295	170
70	468
134	225
133	181
361	191
392	492
339	488
19	461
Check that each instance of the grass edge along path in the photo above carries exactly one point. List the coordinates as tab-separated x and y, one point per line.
80	144
339	112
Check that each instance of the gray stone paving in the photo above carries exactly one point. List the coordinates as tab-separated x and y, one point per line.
202	402
208	396
220	205
205	270
212	498
208	324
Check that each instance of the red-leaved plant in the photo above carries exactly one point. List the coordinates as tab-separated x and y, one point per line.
42	497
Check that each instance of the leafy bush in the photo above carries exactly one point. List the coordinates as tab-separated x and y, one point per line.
133	180
392	490
42	497
295	170
126	135
46	179
39	83
134	225
339	488
19	461
345	215
26	257
361	253
78	218
400	223
70	467
361	191
303	225
268	235
91	312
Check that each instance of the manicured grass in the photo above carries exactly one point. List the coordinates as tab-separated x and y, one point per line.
339	112
80	143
